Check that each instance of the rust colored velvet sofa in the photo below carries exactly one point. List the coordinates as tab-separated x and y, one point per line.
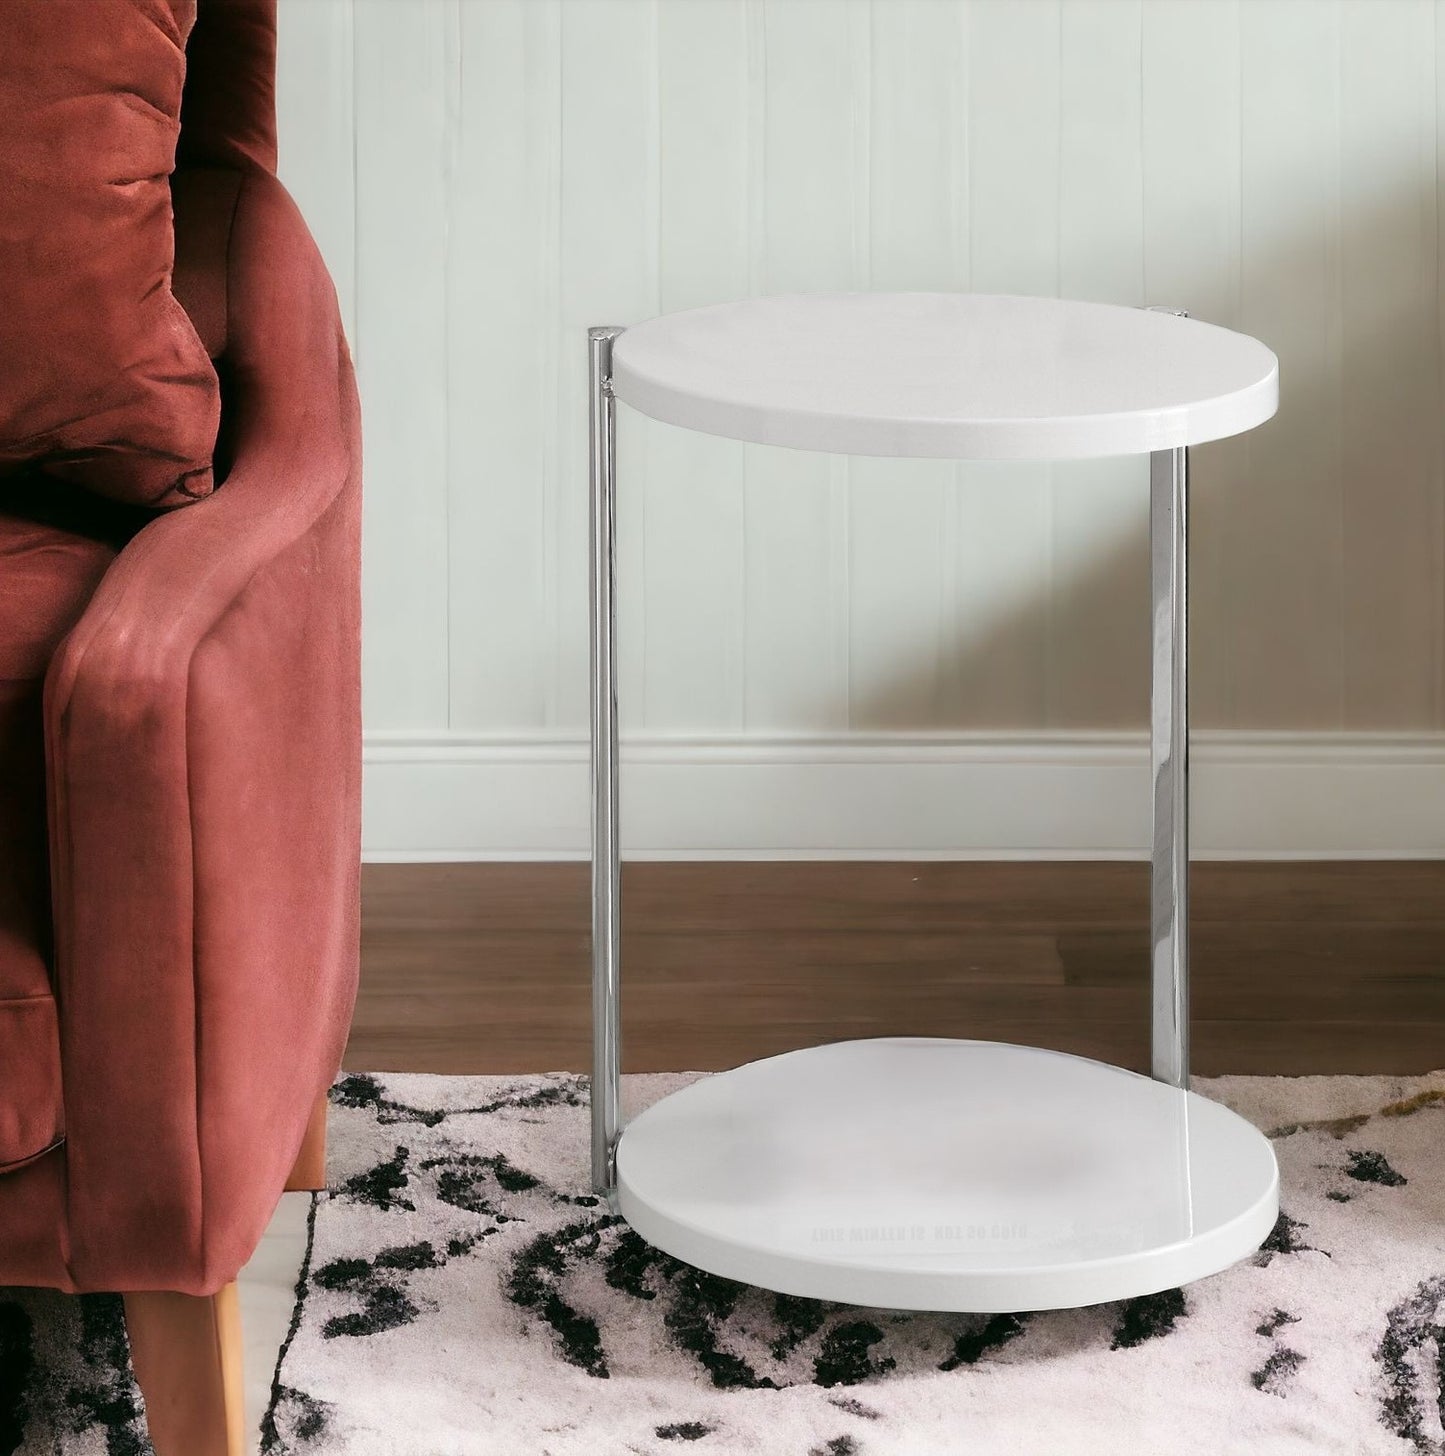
179	795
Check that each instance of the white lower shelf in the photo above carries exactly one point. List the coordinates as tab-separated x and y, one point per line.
920	1173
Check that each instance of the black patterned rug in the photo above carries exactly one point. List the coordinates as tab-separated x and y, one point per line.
464	1295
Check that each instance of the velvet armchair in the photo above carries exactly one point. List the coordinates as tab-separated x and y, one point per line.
179	795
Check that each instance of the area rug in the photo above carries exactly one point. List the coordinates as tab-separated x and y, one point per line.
463	1294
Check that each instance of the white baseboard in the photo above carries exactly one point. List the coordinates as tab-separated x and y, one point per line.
943	796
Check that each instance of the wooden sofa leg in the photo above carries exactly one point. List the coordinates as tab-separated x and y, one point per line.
187	1356
309	1173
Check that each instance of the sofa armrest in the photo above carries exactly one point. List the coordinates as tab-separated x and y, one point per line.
203	753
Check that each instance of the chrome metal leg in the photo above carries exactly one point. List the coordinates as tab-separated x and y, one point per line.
606	845
1169	761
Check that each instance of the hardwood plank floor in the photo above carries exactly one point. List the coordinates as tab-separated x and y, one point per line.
1332	967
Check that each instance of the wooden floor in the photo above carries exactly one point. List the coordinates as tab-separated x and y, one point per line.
1296	967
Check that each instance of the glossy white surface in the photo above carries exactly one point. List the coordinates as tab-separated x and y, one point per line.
919	1173
947	375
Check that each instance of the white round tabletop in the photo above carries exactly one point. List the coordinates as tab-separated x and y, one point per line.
946	375
923	1173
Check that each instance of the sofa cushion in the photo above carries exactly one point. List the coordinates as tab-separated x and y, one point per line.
50	571
47	575
103	381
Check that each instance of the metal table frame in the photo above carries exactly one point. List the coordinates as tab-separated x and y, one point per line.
1168	757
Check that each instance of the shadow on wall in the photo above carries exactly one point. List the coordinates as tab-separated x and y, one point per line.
1316	540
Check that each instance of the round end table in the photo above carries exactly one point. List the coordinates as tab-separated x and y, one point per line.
917	1172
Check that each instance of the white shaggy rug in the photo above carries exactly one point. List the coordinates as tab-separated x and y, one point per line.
464	1295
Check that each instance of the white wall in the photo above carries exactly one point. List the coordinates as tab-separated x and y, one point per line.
824	654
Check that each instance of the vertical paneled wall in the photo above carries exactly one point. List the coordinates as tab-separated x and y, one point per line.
489	177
